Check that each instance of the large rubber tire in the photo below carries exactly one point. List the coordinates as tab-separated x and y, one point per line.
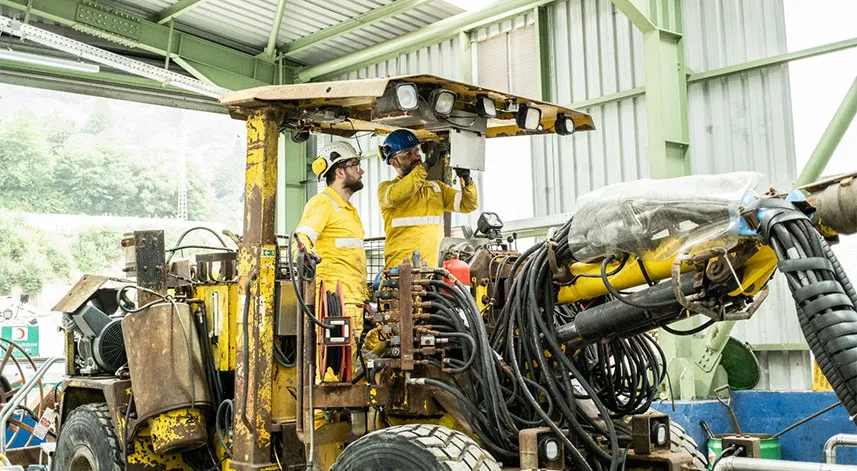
416	447
680	442
87	441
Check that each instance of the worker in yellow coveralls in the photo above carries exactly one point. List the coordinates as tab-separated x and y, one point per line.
331	228
413	207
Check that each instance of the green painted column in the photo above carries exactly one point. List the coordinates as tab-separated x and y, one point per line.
666	83
830	139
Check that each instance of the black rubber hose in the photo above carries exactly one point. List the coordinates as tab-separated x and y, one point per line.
298	292
692	331
245	351
627	299
824	298
471	358
616	318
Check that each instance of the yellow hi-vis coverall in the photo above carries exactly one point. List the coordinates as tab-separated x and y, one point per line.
332	227
412	208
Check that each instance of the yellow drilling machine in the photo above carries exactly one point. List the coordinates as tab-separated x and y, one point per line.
533	360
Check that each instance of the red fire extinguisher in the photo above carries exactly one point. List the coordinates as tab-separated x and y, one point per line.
458	269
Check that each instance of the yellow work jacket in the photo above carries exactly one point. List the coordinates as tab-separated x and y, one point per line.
412	208
332	227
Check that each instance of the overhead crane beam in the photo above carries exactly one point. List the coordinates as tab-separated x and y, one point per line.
224	66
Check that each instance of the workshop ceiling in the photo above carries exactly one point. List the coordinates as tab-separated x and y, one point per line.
246	24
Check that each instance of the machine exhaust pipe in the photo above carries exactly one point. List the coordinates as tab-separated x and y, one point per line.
835	202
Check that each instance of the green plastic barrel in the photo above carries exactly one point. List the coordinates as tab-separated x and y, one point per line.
771	449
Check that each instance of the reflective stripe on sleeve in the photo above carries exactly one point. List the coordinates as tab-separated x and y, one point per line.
417	221
349	243
436	186
313	235
456	203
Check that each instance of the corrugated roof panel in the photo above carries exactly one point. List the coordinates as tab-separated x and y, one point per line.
249	22
244	21
305	17
374	34
144	8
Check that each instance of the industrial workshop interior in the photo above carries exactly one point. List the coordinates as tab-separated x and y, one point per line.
428	235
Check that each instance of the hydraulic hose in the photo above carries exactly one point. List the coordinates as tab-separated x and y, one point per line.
823	295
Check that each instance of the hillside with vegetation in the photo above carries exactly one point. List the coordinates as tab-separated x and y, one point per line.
64	154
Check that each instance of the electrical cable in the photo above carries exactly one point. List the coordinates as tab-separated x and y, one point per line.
616	294
125	425
178	247
530	307
224	409
245	351
309	275
692	331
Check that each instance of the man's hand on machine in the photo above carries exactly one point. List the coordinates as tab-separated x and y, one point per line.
464	175
434	152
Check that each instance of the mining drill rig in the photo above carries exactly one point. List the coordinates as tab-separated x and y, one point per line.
540	360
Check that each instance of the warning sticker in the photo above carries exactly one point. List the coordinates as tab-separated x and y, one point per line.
819	381
40	431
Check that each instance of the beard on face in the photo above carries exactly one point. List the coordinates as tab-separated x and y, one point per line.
407	167
353	184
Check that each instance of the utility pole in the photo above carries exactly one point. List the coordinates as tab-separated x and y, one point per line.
182	176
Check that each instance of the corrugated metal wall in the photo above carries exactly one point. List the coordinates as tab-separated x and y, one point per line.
744	122
594	51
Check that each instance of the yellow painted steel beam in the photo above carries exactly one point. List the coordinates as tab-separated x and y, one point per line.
256	269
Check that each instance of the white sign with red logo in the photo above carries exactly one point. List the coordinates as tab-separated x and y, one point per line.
40	431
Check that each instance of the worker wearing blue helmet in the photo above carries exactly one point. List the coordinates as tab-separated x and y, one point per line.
413	207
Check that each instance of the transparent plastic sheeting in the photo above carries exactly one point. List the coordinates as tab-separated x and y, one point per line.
655	219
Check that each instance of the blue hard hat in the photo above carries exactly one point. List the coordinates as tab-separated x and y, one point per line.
398	140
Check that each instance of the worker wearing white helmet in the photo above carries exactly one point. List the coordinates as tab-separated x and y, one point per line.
331	227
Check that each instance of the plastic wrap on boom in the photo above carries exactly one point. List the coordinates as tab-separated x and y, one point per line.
659	218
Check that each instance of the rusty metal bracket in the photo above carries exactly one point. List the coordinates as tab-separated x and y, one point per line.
561	274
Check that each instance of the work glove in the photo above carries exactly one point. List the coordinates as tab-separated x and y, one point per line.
464	175
434	152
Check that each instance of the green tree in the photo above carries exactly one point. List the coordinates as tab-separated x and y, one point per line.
25	260
26	166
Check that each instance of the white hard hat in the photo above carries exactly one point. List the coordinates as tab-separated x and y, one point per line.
337	151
